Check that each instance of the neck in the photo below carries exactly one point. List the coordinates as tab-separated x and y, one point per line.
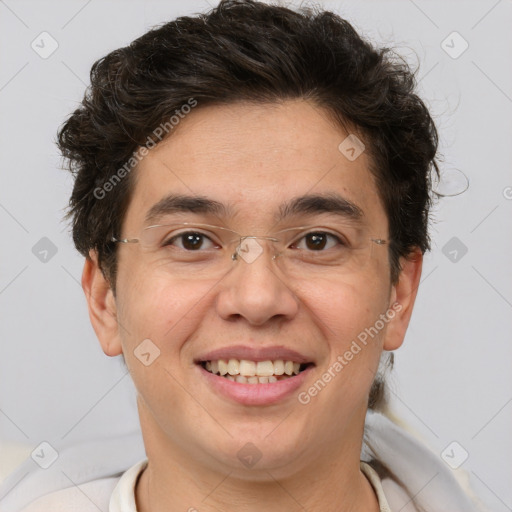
176	481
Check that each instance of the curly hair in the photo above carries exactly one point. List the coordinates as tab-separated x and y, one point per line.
244	50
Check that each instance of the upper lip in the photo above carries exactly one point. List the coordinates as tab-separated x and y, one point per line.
271	353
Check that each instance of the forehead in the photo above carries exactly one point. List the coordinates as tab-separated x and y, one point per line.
254	161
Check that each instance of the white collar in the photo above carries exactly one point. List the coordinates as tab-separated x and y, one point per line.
123	497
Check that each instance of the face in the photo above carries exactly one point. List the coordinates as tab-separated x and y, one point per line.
253	160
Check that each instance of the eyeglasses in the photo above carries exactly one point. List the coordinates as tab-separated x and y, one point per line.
195	250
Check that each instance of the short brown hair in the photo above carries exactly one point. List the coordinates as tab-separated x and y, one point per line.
243	50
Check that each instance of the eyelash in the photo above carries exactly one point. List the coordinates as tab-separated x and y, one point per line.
331	235
181	235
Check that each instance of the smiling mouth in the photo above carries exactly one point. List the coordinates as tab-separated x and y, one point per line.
254	372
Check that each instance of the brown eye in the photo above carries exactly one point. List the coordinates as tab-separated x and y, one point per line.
190	241
318	240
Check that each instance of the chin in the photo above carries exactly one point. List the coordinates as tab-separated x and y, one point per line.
253	457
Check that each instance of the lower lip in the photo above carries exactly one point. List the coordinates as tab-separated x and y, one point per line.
255	394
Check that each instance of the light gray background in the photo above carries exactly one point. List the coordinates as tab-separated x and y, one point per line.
453	379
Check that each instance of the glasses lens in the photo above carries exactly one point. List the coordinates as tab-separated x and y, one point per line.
208	252
316	252
189	250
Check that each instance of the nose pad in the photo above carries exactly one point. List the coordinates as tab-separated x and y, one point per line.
249	249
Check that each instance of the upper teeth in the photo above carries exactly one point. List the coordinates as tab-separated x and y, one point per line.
253	368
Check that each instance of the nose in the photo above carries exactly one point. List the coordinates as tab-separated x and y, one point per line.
255	288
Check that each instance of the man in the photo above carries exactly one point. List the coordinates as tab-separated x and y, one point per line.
251	196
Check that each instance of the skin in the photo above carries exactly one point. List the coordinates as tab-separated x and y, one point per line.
254	158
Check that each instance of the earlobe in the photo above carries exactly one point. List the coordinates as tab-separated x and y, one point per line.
102	306
403	296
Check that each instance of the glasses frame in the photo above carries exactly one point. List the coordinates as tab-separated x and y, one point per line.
235	255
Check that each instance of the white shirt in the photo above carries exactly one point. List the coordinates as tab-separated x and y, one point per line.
118	494
92	477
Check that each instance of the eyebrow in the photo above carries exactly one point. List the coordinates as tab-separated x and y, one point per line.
309	204
317	203
182	203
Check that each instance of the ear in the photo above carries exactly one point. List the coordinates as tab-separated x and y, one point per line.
102	306
402	298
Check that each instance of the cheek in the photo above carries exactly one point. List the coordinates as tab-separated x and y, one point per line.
345	310
348	316
158	317
154	308
167	314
